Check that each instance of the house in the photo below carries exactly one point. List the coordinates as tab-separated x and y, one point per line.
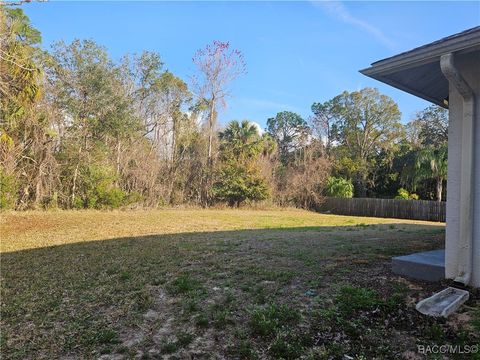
447	73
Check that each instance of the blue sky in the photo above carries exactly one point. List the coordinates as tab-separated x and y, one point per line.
296	52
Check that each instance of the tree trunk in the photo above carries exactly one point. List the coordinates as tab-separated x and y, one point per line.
74	186
38	185
75	174
208	175
38	189
361	186
119	145
439	189
174	138
211	124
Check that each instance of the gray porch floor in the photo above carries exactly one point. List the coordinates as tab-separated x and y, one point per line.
428	265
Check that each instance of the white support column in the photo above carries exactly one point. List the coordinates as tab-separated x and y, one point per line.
463	186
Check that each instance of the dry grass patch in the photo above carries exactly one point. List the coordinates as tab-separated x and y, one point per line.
36	229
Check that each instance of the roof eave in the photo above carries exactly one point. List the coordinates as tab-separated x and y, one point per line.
424	55
407	89
427	54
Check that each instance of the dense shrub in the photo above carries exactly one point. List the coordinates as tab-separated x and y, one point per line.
236	184
99	190
339	187
305	181
405	195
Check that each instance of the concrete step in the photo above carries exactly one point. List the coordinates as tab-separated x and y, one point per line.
428	265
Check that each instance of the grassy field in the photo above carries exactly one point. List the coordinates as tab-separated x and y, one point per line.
237	284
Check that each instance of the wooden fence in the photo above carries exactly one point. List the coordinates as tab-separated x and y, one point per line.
387	208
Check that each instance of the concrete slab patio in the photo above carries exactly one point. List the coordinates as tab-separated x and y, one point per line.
428	265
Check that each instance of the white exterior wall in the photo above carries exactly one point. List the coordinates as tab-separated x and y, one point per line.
469	67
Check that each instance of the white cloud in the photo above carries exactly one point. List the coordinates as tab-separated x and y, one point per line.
337	10
259	128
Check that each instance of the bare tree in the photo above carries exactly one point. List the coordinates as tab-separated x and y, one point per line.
218	66
322	122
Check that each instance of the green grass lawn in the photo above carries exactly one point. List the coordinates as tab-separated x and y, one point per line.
208	284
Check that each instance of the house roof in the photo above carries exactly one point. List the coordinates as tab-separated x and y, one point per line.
418	71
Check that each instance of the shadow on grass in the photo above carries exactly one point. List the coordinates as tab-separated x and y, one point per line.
83	298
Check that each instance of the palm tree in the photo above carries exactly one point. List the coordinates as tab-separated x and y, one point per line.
241	133
431	163
240	140
409	175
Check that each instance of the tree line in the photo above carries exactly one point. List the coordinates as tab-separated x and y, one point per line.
79	130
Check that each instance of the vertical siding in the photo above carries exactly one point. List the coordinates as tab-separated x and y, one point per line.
387	208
